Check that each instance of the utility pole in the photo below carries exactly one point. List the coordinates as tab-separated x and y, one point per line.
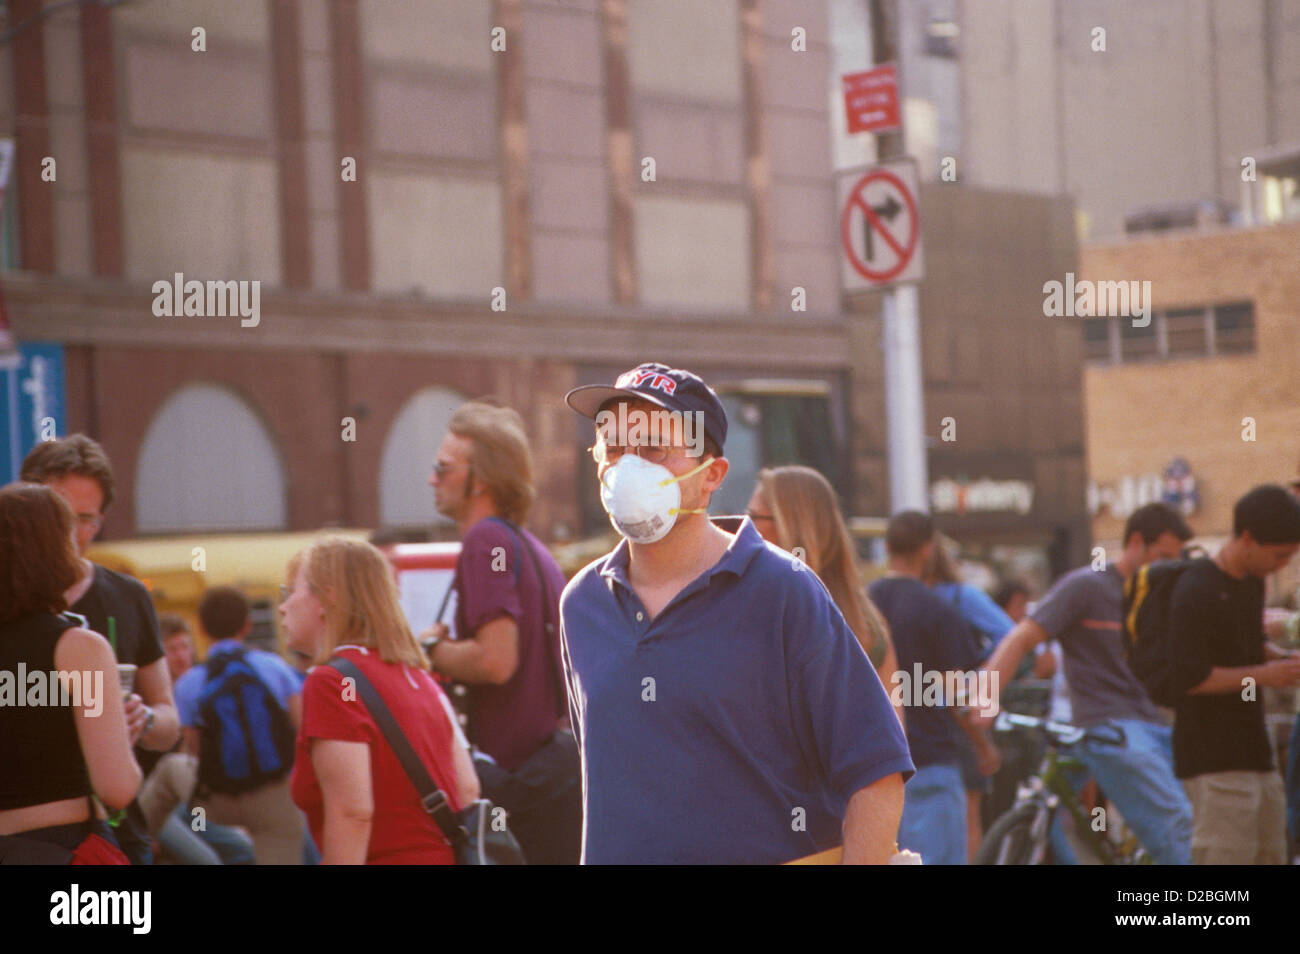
909	480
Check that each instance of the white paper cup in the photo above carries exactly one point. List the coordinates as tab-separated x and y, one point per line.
126	678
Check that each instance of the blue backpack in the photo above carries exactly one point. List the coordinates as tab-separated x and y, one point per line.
246	740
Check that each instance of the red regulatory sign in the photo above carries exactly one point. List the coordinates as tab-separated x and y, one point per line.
878	246
871	99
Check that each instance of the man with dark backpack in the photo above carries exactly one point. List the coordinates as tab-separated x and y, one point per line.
1215	660
240	710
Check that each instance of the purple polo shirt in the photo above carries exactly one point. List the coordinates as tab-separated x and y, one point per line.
494	578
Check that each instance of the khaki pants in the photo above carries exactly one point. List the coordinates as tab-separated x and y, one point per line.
171	783
1239	818
269	815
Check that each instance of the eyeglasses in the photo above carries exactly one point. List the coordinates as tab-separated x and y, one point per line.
654	454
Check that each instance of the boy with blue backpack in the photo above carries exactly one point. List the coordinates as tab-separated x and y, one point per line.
240	711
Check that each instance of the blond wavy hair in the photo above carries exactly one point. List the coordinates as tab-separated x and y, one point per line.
499	455
354	583
807	516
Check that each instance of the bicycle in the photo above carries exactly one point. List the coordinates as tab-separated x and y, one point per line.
1021	835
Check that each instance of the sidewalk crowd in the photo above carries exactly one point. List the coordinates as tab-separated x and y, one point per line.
713	690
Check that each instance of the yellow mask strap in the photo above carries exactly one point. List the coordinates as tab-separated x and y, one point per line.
690	473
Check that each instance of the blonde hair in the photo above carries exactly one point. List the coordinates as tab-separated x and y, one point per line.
499	455
355	585
807	516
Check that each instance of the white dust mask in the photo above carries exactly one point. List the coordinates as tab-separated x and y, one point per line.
643	499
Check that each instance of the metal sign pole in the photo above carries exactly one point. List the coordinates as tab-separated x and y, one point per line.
904	400
900	324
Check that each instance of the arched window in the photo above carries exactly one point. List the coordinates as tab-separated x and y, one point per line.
208	463
405	497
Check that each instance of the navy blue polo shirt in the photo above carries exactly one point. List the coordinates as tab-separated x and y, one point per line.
928	632
734	726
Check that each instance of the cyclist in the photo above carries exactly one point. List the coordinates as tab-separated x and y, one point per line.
1083	611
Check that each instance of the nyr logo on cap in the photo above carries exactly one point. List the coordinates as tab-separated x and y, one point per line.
651	379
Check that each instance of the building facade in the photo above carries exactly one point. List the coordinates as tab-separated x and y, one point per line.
440	201
1200	405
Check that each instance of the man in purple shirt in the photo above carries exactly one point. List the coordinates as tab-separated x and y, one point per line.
507	653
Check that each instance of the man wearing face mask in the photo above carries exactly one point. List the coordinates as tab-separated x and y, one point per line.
725	711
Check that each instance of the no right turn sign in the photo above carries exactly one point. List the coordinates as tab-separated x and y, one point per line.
880	230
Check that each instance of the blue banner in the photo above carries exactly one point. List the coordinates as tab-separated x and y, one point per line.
32	404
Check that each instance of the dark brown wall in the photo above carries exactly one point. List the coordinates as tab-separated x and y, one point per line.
1012	378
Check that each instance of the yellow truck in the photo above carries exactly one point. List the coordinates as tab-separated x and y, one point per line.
177	571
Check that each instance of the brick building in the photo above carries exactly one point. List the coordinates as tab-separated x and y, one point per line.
1223	346
504	235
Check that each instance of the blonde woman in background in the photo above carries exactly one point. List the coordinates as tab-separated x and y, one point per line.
360	804
796	507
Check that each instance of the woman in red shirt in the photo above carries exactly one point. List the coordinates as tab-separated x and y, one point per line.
360	804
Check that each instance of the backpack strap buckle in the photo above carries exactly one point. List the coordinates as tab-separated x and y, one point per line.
434	802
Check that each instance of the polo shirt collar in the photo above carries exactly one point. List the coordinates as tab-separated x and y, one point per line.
748	543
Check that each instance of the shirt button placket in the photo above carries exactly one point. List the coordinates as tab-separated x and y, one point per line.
642	625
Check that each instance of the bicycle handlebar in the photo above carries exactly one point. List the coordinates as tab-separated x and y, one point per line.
1060	732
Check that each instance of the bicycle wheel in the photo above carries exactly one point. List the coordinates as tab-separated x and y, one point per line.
1011	841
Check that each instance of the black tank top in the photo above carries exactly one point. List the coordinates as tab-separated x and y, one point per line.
40	754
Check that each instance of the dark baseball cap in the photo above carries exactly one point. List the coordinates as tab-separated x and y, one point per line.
671	388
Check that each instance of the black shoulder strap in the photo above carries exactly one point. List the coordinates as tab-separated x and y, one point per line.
548	625
217	663
431	796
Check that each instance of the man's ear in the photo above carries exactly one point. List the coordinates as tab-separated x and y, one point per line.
716	472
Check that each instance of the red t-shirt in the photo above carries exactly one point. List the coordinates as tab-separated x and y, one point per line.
401	832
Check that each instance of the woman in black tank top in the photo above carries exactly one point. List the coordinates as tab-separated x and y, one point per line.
63	734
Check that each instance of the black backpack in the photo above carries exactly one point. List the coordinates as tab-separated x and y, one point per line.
246	740
1149	644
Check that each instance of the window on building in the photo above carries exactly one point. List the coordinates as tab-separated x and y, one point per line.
1280	192
685	49
941	34
1273	193
1096	339
1234	328
9	213
771	423
9	232
1177	334
405	498
1138	343
1185	333
209	463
